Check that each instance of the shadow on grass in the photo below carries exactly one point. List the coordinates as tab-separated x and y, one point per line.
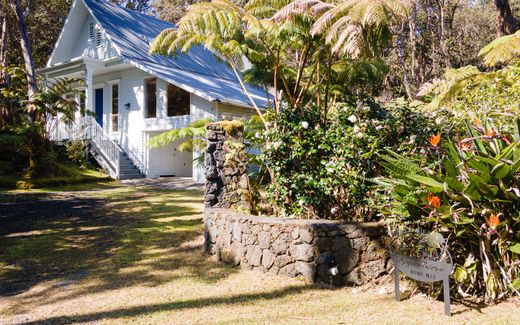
70	236
176	305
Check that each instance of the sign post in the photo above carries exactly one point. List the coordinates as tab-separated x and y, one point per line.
423	258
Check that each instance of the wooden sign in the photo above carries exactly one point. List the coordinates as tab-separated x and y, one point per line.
422	257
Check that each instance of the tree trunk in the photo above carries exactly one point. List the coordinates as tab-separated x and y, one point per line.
507	23
4	77
35	138
27	54
3	46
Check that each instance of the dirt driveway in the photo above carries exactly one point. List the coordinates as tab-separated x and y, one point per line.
132	253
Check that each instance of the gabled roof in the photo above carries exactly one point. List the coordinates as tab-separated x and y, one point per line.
198	71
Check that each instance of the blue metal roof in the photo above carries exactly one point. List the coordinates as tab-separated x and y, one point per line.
198	71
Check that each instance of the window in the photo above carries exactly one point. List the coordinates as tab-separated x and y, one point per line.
94	34
150	86
115	107
178	101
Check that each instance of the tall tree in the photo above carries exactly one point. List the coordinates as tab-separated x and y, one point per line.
25	45
507	23
3	42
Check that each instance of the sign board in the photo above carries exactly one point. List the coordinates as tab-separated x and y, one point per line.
422	257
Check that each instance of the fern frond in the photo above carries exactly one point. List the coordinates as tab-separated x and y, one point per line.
501	50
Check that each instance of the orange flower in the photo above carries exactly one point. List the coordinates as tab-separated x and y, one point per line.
465	146
434	201
493	221
491	133
435	139
477	121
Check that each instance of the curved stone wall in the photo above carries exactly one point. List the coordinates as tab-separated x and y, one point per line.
297	247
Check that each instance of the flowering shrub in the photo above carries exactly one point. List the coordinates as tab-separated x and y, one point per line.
469	190
323	168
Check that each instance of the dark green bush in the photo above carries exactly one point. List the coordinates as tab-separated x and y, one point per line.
323	169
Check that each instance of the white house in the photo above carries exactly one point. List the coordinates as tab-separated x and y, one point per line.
136	95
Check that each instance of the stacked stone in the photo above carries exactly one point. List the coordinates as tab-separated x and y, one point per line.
227	182
295	247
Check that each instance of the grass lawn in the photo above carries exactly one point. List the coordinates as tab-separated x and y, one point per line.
69	176
121	254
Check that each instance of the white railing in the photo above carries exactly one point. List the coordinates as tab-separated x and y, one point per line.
87	128
99	138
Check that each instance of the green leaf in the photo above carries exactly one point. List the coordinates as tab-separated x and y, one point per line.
477	165
428	181
515	248
460	275
516	284
500	171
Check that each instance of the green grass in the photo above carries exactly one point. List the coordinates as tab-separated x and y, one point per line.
121	254
69	176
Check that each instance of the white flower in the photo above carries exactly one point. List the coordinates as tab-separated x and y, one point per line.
379	127
359	135
268	124
352	118
438	120
330	170
277	144
356	129
305	125
258	135
317	127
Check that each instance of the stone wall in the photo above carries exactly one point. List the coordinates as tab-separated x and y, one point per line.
227	182
297	247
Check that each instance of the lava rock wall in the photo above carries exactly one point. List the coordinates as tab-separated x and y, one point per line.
297	247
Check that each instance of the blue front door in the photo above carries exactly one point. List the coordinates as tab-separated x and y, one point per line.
99	106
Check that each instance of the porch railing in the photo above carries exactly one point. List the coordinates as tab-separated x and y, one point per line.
87	128
93	132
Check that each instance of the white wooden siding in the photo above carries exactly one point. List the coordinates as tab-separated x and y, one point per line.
74	41
135	129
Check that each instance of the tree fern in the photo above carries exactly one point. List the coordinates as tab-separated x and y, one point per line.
501	50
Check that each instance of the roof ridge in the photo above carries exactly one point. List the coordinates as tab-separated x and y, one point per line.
134	12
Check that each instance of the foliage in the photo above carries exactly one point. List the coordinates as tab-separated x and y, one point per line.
77	152
438	35
324	170
295	46
501	50
469	190
193	137
468	92
53	103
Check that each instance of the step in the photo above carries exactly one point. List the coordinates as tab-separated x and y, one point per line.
122	177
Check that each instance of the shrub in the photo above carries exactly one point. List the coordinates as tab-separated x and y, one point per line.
469	191
322	169
76	151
